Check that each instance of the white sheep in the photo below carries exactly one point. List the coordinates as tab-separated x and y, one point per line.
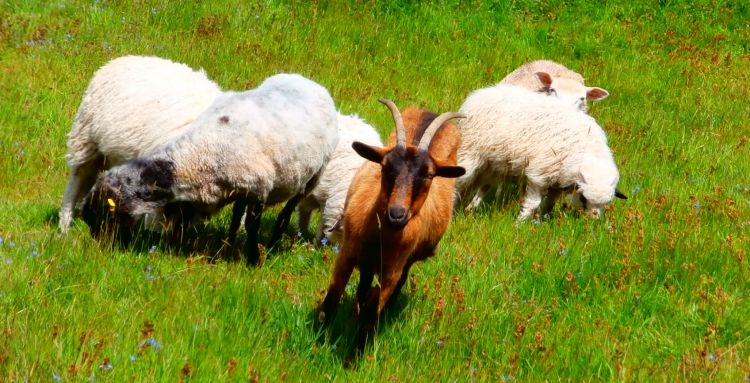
511	132
262	147
555	79
132	105
330	194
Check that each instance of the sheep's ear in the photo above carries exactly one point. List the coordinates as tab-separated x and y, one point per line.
596	94
370	153
159	173
545	79
620	194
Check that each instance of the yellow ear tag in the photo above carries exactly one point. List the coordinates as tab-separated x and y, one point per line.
112	204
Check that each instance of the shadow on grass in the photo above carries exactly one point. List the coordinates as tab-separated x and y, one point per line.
209	238
342	335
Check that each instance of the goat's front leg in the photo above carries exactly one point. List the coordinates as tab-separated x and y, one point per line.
342	271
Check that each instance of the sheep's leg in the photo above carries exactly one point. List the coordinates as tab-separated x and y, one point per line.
549	201
252	226
81	179
478	197
531	200
342	271
303	218
238	209
282	221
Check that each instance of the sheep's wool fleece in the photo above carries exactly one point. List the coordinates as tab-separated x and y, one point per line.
269	142
330	193
513	132
525	75
135	104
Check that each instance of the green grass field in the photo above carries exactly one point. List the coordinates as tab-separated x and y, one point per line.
657	290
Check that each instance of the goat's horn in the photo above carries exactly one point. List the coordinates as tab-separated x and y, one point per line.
400	131
424	143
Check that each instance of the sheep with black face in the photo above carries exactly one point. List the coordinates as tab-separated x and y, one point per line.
260	147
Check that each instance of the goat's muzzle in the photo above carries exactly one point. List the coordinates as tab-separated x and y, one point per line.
398	216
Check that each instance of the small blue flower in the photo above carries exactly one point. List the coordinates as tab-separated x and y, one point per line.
336	249
56	377
153	343
12	244
152	249
333	348
697	205
299	234
537	222
21	152
33	244
563	251
132	358
579	276
149	268
636	189
440	342
299	258
324	241
712	357
35	253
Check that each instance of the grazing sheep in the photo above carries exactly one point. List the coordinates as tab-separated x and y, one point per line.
556	80
132	105
330	194
511	132
259	147
398	207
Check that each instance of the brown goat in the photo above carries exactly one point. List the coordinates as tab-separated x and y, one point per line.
398	206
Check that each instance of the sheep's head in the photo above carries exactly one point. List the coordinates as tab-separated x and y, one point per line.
128	196
407	170
570	91
593	194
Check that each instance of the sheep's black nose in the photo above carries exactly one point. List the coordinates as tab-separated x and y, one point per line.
397	216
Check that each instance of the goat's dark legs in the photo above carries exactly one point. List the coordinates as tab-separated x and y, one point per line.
252	226
365	283
342	271
282	221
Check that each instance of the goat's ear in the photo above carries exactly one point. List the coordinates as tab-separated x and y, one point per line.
544	78
620	194
596	94
370	153
444	170
450	171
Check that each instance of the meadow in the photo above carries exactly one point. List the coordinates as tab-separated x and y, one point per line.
656	290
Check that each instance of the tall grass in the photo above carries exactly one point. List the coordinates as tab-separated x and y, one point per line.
657	290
